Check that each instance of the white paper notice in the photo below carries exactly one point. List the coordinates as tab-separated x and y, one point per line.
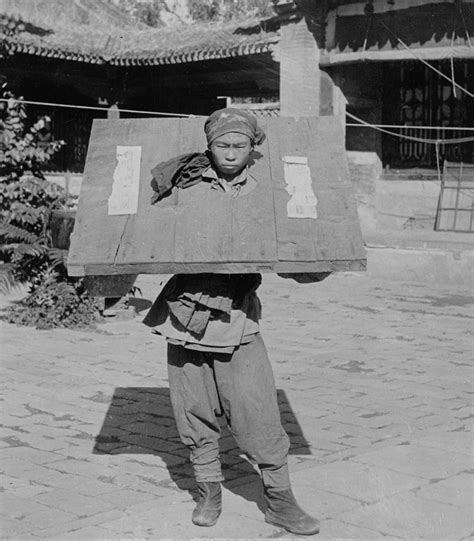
126	181
298	184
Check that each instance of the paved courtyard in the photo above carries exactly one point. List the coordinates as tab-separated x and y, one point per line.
375	389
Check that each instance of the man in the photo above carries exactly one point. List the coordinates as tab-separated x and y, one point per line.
217	361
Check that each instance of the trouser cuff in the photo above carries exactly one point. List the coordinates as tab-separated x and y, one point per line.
206	463
276	477
204	478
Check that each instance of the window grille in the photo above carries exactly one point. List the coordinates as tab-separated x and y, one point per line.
414	95
456	199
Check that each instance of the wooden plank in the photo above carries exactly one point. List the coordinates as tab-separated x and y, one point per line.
336	232
320	163
192	136
96	235
294	242
228	267
149	234
203	228
252	214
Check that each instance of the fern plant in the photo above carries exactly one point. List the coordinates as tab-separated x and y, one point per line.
26	202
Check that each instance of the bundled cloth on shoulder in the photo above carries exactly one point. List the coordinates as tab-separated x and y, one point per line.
181	172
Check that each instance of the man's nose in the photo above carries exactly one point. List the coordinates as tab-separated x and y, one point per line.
230	155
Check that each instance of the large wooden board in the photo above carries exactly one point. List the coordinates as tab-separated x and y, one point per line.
203	230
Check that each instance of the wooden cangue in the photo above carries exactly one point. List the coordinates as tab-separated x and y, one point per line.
300	217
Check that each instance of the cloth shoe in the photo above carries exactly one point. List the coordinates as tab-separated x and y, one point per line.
284	511
209	505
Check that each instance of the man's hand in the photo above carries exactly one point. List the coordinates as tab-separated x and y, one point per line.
305	277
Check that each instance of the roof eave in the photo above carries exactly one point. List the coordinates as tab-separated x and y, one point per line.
14	47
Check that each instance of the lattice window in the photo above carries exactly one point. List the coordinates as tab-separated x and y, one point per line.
415	95
456	198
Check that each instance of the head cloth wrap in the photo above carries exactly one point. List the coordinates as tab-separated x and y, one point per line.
233	120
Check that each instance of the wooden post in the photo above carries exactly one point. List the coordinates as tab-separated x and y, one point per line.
67	183
300	76
113	112
340	103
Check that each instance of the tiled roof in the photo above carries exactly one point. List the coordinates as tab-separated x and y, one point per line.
119	43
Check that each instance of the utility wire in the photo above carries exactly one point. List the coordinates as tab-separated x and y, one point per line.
93	108
465	25
436	142
409	137
440	73
361	123
397	126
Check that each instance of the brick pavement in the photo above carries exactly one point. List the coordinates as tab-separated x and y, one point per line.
375	390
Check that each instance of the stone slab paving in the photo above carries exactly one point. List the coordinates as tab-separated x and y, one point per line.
375	388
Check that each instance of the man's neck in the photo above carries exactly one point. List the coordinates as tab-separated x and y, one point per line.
228	178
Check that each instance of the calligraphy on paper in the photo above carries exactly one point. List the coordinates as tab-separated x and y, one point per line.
303	201
126	181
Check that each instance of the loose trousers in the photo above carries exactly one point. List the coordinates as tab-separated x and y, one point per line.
241	386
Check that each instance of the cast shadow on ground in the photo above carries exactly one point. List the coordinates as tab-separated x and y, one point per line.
139	305
140	421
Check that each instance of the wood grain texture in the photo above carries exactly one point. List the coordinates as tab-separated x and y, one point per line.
252	215
203	226
204	230
96	236
228	267
336	233
294	242
149	235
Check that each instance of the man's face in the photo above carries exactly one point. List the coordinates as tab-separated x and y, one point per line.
230	153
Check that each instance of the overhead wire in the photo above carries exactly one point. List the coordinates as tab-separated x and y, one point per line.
440	73
396	126
369	11
413	138
464	22
96	108
360	122
436	142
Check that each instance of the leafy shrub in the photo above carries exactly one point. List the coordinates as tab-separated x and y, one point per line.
55	303
26	202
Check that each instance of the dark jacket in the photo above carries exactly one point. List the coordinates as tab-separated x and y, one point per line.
181	172
193	299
